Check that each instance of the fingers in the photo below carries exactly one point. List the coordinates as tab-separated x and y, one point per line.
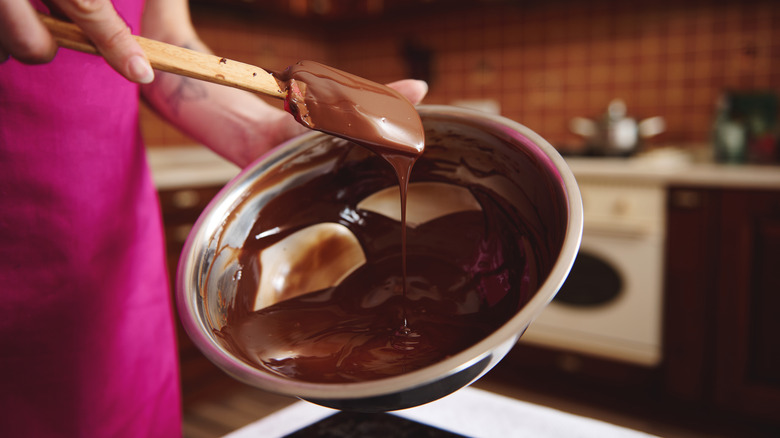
413	89
22	35
25	38
100	21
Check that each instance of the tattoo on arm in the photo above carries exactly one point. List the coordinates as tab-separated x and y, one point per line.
178	90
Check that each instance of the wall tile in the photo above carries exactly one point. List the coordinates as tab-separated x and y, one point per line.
544	63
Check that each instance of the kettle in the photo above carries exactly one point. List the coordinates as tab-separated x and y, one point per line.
616	134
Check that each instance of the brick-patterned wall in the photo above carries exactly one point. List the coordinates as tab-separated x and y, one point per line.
548	63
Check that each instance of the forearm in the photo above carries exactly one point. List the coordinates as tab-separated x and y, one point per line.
236	124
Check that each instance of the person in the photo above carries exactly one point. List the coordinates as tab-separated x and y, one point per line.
87	343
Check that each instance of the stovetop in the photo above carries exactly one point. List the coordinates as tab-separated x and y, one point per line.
360	425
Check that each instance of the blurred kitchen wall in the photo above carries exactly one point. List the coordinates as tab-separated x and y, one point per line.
543	64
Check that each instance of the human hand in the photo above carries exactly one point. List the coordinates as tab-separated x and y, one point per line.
26	39
413	89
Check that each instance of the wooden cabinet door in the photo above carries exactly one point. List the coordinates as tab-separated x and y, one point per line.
747	359
693	224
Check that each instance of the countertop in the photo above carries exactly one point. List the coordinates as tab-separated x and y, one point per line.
675	168
179	167
196	166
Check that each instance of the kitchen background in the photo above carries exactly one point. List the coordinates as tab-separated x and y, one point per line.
686	343
543	63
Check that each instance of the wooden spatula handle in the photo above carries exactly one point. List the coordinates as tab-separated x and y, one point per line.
178	60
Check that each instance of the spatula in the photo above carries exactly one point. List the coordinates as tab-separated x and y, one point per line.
178	60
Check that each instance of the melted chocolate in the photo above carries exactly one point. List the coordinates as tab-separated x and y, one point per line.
409	304
465	278
370	114
468	273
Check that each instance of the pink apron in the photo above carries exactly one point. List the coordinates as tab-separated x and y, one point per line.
87	345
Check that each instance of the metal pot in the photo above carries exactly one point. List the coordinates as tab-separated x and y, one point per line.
479	151
615	133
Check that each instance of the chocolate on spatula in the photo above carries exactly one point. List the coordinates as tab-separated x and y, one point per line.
339	103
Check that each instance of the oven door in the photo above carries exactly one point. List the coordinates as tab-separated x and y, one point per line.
611	304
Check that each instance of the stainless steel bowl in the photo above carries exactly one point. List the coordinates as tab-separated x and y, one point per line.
480	150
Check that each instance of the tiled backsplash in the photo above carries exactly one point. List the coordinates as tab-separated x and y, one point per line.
544	64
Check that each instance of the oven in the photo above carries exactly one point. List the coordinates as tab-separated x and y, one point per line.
611	304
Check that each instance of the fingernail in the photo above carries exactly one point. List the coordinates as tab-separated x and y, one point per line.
423	84
140	70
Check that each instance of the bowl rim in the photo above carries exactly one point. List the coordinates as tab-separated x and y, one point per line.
212	218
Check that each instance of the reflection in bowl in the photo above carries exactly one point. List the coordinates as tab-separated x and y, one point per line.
314	258
322	255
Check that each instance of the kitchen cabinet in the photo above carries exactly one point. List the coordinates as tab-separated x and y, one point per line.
722	343
180	209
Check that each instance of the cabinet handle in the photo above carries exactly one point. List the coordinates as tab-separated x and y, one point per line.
621	207
686	199
185	198
180	233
